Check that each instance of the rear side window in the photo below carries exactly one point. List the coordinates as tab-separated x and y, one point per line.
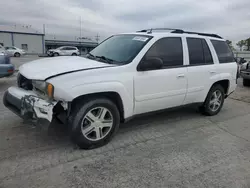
199	53
169	50
224	53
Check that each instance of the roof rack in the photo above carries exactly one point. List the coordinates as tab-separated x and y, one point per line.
180	31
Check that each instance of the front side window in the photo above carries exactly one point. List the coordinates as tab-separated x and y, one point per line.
121	48
224	53
199	53
169	50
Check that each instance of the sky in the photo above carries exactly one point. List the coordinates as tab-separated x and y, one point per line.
228	18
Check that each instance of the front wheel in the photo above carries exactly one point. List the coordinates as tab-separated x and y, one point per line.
17	54
214	101
94	123
56	54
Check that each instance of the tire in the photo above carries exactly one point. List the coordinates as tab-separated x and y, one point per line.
246	82
83	131
17	54
208	108
56	54
74	54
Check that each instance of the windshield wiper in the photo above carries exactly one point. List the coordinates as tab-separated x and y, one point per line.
91	55
110	61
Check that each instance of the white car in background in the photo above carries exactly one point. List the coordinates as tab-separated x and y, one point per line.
64	51
14	51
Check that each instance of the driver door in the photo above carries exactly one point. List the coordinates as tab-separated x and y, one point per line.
63	51
167	86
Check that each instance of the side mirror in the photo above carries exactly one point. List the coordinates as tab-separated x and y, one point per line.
151	63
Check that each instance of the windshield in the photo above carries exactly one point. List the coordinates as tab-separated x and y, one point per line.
121	48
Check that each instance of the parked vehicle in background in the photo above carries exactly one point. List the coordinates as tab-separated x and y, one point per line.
245	73
14	51
240	61
2	49
6	68
124	76
64	51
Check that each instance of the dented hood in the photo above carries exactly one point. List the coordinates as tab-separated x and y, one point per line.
47	67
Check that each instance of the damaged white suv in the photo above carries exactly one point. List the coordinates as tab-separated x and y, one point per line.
126	75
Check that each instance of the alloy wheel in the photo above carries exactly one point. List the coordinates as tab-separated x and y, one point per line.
97	123
215	101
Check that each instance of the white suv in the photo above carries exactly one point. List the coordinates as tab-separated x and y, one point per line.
126	75
64	51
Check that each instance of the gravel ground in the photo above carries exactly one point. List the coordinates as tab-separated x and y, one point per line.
179	148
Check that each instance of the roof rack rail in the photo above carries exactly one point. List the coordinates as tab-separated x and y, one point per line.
180	31
159	29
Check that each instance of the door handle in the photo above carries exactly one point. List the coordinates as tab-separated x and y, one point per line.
180	76
213	72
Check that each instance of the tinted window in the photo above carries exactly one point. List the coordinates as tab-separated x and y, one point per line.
195	50
71	48
207	53
169	50
223	51
9	48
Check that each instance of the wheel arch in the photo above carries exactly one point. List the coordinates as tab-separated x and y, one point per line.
225	83
111	95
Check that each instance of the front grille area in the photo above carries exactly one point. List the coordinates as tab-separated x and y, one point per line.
24	82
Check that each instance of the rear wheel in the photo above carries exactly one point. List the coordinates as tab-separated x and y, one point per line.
246	82
17	54
214	101
94	123
74	54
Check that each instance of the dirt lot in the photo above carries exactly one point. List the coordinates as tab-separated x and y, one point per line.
178	148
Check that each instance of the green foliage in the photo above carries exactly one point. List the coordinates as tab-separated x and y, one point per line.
229	42
241	43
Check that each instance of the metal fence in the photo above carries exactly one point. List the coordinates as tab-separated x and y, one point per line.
244	54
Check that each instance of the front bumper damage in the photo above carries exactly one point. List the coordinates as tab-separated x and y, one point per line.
28	105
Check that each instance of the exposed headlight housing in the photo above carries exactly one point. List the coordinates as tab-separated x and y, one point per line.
44	87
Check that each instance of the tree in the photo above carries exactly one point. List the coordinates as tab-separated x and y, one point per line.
241	43
248	44
229	42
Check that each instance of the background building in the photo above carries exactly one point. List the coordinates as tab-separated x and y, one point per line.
34	42
23	37
83	44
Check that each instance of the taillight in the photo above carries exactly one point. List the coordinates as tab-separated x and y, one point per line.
10	71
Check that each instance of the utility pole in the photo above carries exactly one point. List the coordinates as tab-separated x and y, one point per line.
97	38
44	29
80	35
43	38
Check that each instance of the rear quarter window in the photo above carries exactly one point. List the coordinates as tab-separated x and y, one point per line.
223	51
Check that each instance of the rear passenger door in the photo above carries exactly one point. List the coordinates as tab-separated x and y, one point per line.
201	70
70	50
